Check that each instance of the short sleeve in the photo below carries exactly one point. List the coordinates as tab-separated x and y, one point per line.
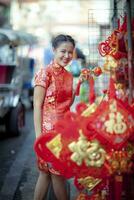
42	78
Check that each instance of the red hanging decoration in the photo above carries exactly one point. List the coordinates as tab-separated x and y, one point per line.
87	75
116	44
77	91
113	121
111	92
92	91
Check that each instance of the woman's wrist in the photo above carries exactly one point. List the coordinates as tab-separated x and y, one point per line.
37	135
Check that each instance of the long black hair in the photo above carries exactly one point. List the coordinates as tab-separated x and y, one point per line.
62	38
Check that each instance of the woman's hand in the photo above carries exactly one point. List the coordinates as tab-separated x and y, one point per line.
84	75
81	78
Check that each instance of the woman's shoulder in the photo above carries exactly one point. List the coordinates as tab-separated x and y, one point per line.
44	70
42	77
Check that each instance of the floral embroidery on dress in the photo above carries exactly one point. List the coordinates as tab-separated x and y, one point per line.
42	78
47	126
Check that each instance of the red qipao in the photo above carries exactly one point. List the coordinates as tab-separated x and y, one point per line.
58	83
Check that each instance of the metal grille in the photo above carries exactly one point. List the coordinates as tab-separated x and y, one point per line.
100	27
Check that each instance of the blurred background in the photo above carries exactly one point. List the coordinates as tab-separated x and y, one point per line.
47	18
26	30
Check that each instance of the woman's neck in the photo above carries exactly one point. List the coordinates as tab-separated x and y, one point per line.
56	65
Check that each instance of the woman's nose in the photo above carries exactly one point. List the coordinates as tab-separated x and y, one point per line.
66	54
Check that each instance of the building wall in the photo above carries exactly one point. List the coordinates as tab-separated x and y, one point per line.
118	8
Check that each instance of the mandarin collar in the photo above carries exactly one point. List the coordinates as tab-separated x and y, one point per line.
57	69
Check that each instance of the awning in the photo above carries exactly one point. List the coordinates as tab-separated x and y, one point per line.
3	39
10	34
26	38
16	38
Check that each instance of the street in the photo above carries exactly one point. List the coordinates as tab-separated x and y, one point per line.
17	164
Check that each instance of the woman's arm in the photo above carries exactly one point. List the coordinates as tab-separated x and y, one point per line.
39	95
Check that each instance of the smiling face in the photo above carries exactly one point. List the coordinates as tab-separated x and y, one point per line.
63	54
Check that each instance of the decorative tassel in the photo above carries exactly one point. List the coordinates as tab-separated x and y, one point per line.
111	92
77	91
111	188
118	187
92	91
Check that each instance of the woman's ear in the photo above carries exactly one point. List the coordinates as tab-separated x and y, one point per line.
74	54
53	49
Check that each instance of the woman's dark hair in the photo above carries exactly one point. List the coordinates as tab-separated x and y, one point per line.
62	38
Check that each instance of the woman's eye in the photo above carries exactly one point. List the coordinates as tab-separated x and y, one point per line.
63	51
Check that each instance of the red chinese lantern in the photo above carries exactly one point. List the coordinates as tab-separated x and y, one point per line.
97	71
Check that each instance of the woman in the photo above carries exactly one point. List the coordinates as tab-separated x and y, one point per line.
53	96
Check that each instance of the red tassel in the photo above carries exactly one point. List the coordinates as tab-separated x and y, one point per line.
111	91
111	188
77	91
92	91
118	187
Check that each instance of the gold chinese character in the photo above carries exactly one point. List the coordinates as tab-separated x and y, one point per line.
115	123
89	152
55	145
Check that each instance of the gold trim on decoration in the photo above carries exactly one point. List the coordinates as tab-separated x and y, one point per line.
89	182
55	145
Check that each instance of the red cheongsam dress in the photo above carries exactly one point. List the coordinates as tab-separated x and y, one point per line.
58	83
